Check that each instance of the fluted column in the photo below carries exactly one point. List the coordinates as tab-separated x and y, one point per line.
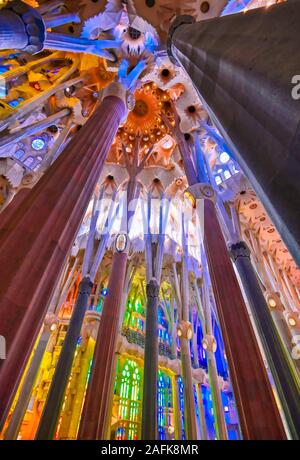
81	382
249	97
258	413
185	332
210	346
250	381
19	411
96	405
204	436
42	229
283	319
188	390
21	28
277	358
63	368
176	408
149	417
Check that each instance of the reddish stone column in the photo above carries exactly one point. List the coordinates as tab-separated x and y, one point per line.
252	99
10	211
258	414
96	405
37	237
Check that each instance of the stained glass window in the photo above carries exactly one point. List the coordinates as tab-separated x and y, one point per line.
128	392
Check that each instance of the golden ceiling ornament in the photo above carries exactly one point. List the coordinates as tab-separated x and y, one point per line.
176	91
166	73
194	112
104	74
145	120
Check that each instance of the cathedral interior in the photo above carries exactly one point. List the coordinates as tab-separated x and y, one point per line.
149	220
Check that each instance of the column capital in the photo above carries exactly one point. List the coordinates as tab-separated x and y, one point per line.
199	375
185	330
122	243
239	249
202	191
117	89
152	288
293	320
85	285
273	301
50	322
209	343
34	26
91	324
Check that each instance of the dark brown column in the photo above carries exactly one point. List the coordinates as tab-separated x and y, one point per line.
258	414
277	357
243	66
149	418
96	405
37	237
55	397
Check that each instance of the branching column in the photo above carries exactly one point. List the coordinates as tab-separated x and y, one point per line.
96	405
252	389
29	381
47	426
185	332
149	420
60	379
258	413
276	355
209	343
154	260
21	28
204	435
176	406
248	93
42	229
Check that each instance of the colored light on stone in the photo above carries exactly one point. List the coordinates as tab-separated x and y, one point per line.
38	144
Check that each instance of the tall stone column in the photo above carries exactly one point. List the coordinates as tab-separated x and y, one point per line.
252	389
188	389
15	422
287	324
204	436
251	99
149	417
258	413
185	333
55	397
21	28
42	229
277	358
96	405
176	408
210	346
280	319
